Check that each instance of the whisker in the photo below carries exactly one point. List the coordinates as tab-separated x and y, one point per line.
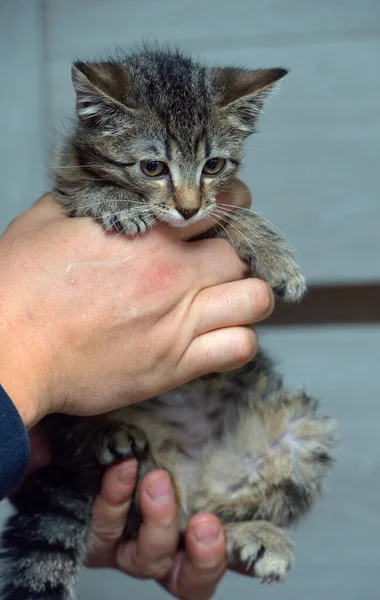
120	232
205	228
140	232
99	179
103	232
230	222
253	212
136	211
131	211
214	223
77	166
235	222
219	224
109	168
264	251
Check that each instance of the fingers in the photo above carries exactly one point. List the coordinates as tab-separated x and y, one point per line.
219	350
233	304
111	512
151	555
237	194
225	341
216	262
198	571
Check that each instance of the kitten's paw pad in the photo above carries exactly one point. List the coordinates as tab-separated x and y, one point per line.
118	443
291	290
262	545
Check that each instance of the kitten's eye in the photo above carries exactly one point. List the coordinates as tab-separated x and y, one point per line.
214	165
153	168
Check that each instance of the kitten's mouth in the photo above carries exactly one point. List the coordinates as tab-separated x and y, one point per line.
175	219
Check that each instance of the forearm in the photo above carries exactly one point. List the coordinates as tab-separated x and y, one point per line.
14	445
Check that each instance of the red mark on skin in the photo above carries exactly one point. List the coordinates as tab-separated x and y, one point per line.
161	275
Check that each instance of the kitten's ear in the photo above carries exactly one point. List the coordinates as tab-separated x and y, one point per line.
102	101
243	92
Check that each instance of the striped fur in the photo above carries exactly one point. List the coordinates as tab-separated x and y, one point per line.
46	540
237	444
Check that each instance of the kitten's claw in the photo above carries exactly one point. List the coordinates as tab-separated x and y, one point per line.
261	544
118	443
273	567
128	224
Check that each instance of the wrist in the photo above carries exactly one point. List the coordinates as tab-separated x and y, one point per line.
26	407
23	383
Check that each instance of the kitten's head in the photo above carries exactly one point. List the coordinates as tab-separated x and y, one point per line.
170	129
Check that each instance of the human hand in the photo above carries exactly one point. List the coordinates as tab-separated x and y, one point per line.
91	320
189	575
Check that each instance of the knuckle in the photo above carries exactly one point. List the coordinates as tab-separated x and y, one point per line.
244	345
161	569
241	194
107	533
237	195
220	247
209	568
261	298
153	569
227	255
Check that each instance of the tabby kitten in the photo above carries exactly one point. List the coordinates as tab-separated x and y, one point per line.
157	136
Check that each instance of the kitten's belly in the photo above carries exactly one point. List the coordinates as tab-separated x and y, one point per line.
190	418
186	419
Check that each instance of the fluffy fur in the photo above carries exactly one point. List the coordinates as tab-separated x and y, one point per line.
152	128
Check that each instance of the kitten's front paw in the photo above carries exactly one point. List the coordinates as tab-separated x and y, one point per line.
270	258
128	224
118	442
292	289
262	545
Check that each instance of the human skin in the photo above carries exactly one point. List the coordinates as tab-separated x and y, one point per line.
81	307
220	310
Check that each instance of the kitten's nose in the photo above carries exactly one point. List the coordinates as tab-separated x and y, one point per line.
187	213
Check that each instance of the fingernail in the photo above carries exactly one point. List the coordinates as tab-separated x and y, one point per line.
207	533
127	474
160	491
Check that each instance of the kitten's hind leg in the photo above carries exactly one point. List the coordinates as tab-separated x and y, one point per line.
262	545
45	543
117	442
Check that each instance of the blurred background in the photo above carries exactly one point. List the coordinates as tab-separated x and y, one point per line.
314	169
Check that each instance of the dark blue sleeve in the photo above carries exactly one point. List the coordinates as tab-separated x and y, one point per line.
14	445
